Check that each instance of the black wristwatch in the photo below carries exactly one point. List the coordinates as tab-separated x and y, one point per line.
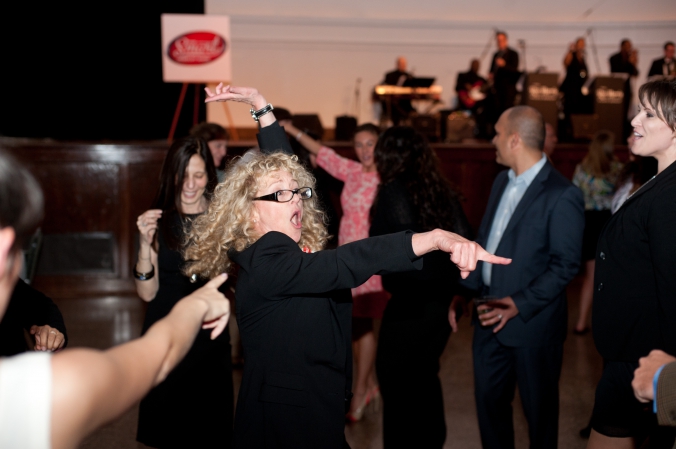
261	112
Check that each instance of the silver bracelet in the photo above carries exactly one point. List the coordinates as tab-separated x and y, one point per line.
261	112
298	136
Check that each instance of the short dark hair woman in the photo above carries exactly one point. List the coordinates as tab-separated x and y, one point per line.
293	306
634	308
415	329
180	412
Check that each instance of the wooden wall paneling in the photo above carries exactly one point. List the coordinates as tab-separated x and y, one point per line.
103	188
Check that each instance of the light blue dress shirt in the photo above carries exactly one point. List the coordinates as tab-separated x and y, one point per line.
516	188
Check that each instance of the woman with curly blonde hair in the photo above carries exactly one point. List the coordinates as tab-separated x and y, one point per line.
293	301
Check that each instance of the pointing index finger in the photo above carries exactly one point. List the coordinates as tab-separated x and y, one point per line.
491	258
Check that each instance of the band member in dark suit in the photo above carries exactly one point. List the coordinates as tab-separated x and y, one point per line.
665	66
536	216
504	74
625	61
634	307
399	108
293	306
471	87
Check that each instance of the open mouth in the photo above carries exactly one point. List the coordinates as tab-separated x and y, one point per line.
637	135
296	219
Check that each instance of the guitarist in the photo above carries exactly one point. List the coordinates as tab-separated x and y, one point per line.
471	88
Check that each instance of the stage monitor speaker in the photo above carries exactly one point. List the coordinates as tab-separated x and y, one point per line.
584	126
608	92
458	126
541	92
428	125
345	126
310	124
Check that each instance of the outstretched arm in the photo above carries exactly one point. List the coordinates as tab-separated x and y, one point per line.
464	253
90	388
308	142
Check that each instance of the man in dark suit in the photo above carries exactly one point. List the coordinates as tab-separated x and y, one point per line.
665	66
536	217
398	108
470	87
504	74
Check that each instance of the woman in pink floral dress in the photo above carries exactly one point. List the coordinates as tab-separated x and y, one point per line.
369	299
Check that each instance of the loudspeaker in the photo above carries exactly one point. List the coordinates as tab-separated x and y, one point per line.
310	124
345	126
584	125
458	126
428	125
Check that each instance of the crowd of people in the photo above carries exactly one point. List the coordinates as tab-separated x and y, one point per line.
405	257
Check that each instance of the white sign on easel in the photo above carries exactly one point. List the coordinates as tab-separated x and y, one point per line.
196	49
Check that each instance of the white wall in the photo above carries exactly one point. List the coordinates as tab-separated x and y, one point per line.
307	55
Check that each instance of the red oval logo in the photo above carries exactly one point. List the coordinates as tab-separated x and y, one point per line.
198	47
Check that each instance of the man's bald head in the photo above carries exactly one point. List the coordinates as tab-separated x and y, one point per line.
529	124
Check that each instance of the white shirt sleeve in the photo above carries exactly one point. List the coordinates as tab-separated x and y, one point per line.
26	401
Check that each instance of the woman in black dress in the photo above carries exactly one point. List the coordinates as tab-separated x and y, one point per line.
293	303
193	407
634	308
574	99
414	195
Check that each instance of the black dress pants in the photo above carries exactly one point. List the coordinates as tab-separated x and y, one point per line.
412	338
497	371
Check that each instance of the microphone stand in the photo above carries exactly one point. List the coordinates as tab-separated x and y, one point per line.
357	101
593	47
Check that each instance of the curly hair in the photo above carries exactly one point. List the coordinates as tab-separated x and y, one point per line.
227	225
404	154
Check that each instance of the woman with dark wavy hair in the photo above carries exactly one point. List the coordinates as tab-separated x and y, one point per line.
414	195
180	412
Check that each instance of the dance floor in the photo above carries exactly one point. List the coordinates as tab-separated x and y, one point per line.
103	322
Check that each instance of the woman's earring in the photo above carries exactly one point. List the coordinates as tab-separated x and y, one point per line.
254	220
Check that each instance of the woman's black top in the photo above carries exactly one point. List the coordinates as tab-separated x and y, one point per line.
394	211
634	308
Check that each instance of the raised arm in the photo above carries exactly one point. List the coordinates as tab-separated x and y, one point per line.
272	137
147	264
308	142
91	388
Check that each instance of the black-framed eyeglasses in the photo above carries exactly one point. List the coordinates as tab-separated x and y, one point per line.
284	196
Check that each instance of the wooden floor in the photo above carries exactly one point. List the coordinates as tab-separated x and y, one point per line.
103	322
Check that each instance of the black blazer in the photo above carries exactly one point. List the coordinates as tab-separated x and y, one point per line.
509	74
393	78
294	314
544	240
634	309
657	67
27	307
618	64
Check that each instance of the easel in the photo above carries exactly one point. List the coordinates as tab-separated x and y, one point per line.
181	98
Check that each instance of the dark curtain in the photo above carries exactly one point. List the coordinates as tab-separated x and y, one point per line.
89	71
